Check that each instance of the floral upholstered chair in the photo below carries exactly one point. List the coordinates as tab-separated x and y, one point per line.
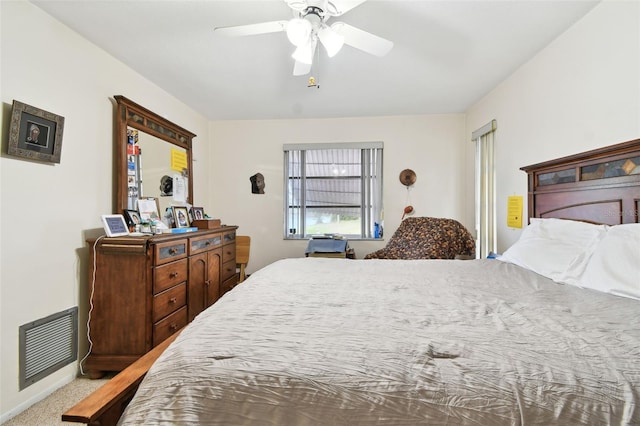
428	238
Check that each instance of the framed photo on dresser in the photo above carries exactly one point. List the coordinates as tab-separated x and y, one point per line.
197	213
149	209
180	216
132	217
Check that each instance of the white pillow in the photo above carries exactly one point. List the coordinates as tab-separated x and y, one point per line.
614	266
555	248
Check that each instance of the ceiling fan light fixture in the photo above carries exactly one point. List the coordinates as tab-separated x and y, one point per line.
298	31
331	40
304	53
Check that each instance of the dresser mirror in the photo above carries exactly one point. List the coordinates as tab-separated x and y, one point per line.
152	156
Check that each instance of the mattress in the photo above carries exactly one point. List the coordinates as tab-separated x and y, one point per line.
320	341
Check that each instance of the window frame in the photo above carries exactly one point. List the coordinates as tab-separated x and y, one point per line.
485	190
371	180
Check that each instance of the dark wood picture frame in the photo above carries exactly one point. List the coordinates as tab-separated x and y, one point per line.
34	133
197	213
181	217
132	217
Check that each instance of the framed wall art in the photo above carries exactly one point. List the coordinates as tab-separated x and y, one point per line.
35	134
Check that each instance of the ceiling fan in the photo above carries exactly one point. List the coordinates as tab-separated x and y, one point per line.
309	24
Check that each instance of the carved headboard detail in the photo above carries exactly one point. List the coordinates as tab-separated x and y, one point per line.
602	185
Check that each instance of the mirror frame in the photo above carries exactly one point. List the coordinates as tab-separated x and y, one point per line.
130	114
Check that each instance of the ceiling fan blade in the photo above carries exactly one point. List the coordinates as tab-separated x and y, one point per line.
362	40
340	7
252	29
297	5
301	69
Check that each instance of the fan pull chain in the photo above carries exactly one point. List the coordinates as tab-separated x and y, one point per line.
313	81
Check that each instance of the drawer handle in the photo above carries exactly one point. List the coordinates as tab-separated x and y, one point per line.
208	243
173	300
173	275
173	327
207	283
172	251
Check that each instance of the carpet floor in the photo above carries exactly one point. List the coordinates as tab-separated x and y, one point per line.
48	412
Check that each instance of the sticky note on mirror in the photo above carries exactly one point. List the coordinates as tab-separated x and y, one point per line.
514	211
178	160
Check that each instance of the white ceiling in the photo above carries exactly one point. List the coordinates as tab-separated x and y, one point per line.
447	54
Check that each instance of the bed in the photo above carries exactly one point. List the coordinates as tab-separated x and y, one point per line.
549	334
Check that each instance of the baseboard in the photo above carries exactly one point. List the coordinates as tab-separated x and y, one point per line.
4	417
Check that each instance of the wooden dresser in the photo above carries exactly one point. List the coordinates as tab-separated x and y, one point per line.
144	289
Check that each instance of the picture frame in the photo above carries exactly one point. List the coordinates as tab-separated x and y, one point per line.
149	209
180	216
197	213
132	217
34	133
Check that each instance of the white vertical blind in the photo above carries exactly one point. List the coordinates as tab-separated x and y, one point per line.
485	205
371	190
334	181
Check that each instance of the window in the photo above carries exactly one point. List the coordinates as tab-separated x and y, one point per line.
486	240
333	189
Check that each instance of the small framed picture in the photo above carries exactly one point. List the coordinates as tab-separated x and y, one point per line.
197	213
35	134
148	209
132	217
180	217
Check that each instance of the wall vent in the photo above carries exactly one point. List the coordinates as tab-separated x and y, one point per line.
47	344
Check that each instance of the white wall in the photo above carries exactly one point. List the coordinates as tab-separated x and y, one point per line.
581	92
430	145
47	210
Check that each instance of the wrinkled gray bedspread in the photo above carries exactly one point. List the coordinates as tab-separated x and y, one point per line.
318	341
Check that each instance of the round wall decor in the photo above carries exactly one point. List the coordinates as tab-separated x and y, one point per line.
407	177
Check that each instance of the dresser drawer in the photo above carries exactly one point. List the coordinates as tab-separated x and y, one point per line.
229	253
169	325
228	270
228	285
169	251
168	301
229	237
166	276
207	242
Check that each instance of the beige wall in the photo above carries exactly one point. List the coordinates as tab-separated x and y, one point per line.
430	145
581	92
47	210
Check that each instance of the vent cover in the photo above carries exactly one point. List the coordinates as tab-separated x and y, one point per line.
48	344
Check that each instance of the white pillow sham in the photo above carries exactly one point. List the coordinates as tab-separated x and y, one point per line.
555	248
614	266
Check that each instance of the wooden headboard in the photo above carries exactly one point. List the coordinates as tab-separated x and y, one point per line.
602	185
